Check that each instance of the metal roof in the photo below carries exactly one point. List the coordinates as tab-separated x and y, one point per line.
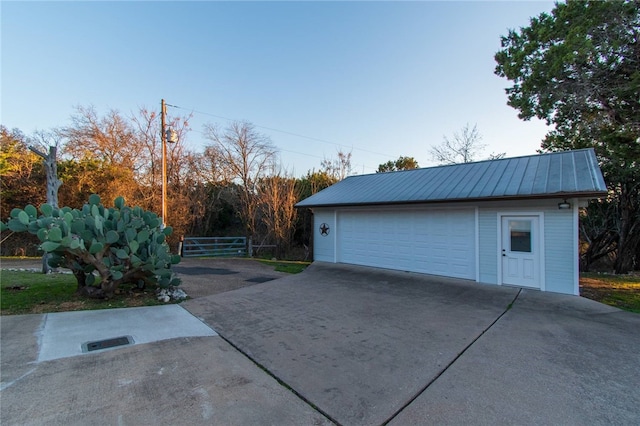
559	174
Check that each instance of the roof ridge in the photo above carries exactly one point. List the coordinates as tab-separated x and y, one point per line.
475	162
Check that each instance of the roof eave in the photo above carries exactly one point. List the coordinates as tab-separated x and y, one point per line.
562	195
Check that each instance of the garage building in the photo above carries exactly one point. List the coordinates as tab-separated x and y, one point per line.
511	221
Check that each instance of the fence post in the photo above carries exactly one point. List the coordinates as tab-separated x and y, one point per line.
250	247
180	246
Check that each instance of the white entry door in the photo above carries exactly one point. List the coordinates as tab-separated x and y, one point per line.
521	251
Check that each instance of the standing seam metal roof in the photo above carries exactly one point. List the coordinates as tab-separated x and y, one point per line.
560	174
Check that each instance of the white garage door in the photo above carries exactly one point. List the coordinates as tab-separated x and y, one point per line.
440	242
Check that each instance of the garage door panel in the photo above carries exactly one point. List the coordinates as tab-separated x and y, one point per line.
433	242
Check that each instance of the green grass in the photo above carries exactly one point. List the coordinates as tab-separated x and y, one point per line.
37	258
621	291
290	267
33	293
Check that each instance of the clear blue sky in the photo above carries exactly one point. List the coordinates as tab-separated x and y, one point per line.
380	79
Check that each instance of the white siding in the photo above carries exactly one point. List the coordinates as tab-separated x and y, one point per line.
439	242
488	236
559	253
399	237
324	245
557	262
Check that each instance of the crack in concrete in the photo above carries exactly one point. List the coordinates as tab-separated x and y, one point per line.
394	415
466	348
7	385
281	382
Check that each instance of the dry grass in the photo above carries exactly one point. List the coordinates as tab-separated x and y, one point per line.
621	291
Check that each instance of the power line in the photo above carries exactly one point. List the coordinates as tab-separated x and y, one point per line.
324	158
355	166
286	132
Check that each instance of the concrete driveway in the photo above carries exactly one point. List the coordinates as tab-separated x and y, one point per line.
341	344
176	372
368	347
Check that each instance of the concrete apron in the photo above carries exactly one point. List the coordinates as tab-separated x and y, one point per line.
368	346
185	374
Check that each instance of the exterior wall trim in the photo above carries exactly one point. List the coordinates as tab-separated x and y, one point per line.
477	242
335	237
576	248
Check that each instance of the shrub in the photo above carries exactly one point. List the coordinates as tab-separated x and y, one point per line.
103	247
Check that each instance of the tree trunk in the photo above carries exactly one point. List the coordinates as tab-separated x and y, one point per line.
81	279
627	239
53	184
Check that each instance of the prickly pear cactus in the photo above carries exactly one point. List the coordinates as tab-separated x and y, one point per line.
103	247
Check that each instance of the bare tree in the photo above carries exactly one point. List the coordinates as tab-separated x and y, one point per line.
110	138
213	167
146	127
109	143
277	196
213	190
338	168
246	156
91	176
463	147
130	144
496	156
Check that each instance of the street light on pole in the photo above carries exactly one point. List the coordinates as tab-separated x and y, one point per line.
167	135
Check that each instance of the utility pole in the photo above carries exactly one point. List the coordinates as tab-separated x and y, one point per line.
163	135
166	135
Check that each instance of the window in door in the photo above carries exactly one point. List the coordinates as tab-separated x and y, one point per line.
520	235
